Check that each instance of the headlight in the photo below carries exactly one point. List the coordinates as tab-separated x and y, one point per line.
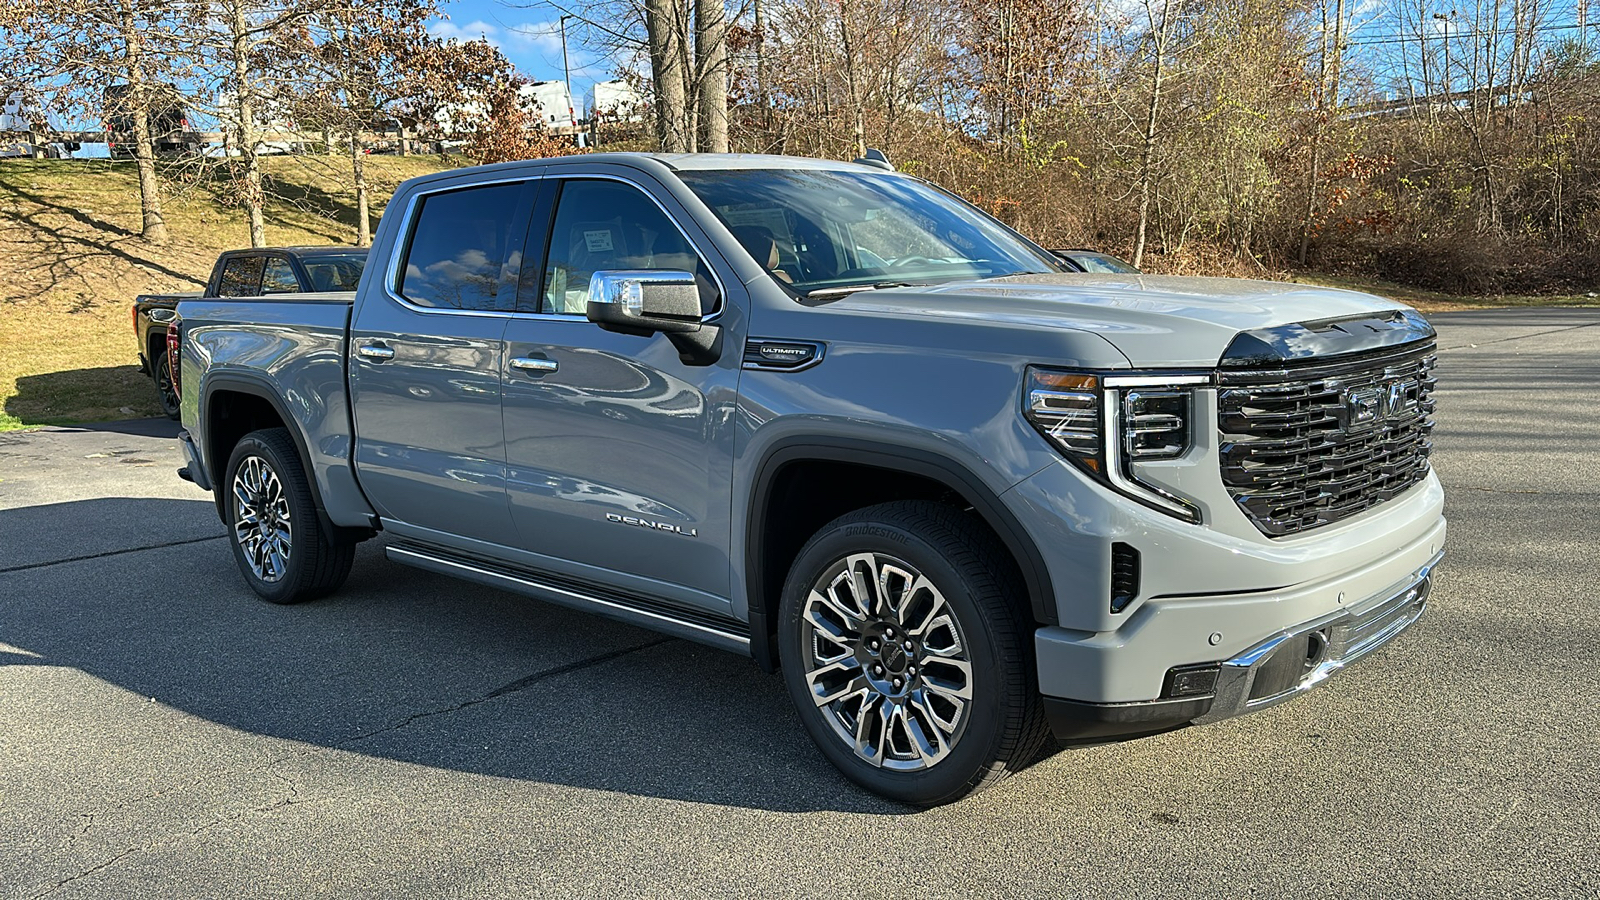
1108	424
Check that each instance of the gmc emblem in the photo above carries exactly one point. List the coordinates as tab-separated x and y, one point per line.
1363	408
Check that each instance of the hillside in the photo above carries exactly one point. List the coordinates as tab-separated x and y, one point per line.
73	262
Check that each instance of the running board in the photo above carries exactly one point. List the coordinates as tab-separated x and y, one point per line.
701	628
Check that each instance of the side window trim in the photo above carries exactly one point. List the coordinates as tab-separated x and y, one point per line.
553	195
395	268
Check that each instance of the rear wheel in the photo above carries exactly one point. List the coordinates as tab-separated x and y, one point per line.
906	654
281	547
162	368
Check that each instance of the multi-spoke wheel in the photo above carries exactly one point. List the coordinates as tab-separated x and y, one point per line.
282	549
888	664
905	651
164	388
262	522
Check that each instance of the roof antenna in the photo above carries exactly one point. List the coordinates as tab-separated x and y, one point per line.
875	159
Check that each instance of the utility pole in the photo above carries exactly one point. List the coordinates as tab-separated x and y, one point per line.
566	71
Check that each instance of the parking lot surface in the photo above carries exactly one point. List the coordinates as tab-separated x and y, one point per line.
165	734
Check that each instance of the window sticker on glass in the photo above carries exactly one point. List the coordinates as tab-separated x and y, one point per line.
598	241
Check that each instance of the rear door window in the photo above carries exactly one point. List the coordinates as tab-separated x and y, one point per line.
278	277
241	277
466	249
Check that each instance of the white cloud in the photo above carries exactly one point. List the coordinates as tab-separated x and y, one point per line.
472	31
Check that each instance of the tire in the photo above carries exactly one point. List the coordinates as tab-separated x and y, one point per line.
161	369
893	718
280	546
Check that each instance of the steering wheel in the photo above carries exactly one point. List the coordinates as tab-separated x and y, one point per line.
908	261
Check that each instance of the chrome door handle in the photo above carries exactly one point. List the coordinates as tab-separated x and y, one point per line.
375	351
527	364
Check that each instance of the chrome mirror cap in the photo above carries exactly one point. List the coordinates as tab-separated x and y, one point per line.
643	301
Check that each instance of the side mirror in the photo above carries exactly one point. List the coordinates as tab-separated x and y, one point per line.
655	301
644	301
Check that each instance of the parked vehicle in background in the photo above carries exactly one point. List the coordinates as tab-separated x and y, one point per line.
832	417
240	273
1095	261
170	134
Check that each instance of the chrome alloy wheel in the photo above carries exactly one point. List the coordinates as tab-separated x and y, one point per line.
261	519
888	664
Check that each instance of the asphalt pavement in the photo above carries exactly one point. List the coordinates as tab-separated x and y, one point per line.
165	734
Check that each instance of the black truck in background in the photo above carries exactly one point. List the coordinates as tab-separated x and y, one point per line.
241	273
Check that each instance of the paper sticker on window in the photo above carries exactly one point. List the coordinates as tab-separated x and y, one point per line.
598	241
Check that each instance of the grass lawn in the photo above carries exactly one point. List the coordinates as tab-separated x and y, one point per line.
74	261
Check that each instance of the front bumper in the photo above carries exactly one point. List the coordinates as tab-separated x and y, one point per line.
1282	667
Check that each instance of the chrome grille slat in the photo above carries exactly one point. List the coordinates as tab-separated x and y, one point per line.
1288	462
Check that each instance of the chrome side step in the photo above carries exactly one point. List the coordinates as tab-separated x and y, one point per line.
597	600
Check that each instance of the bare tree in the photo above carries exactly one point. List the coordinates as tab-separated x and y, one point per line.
110	59
360	64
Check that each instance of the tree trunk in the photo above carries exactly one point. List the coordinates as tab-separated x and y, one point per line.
244	110
1316	147
153	224
1148	152
666	70
359	174
852	77
761	78
711	53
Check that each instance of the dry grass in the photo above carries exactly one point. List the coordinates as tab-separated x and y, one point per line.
73	261
1434	301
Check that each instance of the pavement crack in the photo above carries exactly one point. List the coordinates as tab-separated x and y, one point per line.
508	688
73	559
86	873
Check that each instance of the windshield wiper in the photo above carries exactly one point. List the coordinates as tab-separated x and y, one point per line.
836	292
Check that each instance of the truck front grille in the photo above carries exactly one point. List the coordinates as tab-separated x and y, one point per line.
1309	445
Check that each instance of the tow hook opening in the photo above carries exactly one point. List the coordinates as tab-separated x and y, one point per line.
1291	663
1316	650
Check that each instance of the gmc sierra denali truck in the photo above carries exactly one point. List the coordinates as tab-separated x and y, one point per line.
240	273
832	417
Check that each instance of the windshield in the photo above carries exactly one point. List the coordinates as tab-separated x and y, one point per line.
816	230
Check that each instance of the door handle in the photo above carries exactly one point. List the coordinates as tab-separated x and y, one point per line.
375	351
527	364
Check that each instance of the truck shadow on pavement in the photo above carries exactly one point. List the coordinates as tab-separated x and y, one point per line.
405	665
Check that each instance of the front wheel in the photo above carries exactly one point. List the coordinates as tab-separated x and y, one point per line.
907	655
282	549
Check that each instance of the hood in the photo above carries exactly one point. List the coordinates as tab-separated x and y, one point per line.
1157	321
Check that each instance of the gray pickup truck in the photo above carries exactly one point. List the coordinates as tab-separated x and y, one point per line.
832	417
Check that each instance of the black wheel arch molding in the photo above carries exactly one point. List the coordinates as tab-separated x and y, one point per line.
926	464
262	388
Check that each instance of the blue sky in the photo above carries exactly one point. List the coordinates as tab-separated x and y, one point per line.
526	31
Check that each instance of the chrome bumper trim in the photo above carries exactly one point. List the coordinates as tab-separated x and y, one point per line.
1334	642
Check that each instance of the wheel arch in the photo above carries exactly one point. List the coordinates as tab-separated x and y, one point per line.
261	394
768	552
